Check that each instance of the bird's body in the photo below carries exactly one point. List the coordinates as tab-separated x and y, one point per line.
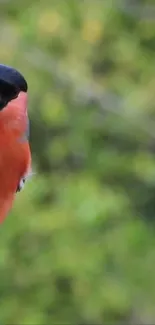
15	155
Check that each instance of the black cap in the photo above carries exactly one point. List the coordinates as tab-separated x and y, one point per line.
13	77
11	84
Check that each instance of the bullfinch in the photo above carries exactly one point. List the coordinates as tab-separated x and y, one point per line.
15	153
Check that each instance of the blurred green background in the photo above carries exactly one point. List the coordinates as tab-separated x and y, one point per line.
79	245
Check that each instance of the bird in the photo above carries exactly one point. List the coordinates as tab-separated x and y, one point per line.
15	152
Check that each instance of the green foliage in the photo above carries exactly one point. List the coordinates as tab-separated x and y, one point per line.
79	244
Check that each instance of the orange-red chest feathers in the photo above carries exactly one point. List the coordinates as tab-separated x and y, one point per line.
15	156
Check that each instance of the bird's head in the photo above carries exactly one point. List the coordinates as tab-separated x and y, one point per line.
12	83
